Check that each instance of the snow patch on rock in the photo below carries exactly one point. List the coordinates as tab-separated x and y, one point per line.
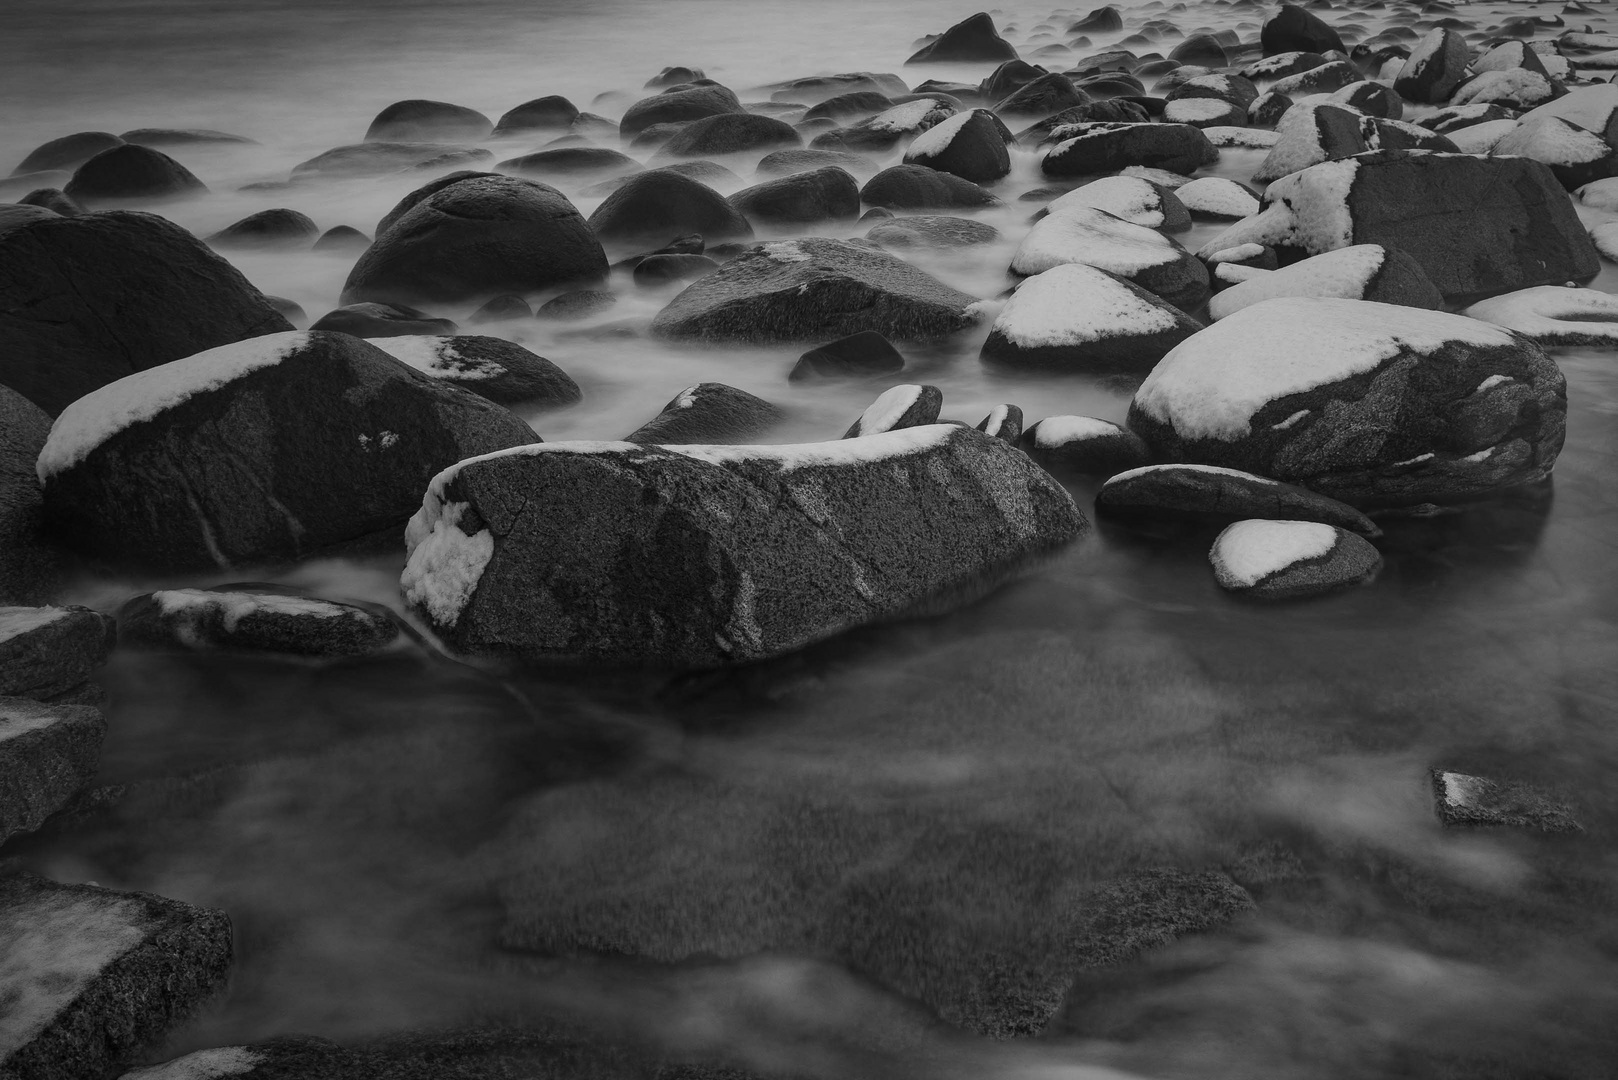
202	1065
1342	273
444	564
15	621
1249	551
1075	303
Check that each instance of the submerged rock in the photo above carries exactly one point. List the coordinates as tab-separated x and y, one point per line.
697	557
860	355
971	145
418	120
654	205
234	620
805	198
1286	560
67	152
382	321
48	754
972	39
131	173
1212	493
708	413
280	228
917	187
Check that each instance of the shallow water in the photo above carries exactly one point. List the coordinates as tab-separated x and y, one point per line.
366	824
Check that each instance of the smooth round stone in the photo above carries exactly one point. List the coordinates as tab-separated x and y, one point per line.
1284	560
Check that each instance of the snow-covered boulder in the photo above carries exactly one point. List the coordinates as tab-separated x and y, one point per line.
1208	492
971	145
1591	107
907	405
1204	112
1437	65
46	652
1554	315
1083	234
1510	56
268	449
1292	30
1214	198
94	976
1520	228
1481	138
813	289
1215	86
1132	199
1373	404
1600	194
1361	272
1285	560
705	556
48	753
1074	317
1575	155
917	187
1309	134
1097	147
1281	64
1517	88
1605	239
1455	118
709	413
1084	444
1324	79
1371	98
1462	801
1004	422
490	367
880	133
237	620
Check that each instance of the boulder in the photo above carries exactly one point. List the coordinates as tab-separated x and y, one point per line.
48	754
1575	156
1554	316
1214	198
711	413
185	137
1004	422
266	229
885	130
1132	199
815	89
787	162
970	145
905	406
931	231
681	105
1520	228
1007	78
1088	149
382	321
1372	404
131	173
659	203
805	198
1517	89
1203	50
501	309
662	268
1282	64
580	162
46	652
730	133
859	103
67	152
1435	68
475	238
268	449
97	976
1361	272
1084	445
1372	99
812	289
90	299
490	367
1205	112
52	199
1292	29
971	40
1112	110
241	620
1048	94
1076	318
1458	117
578	304
418	120
376	159
1464	801
1100	21
917	187
700	557
1312	133
1083	234
1325	79
860	355
31	569
541	114
1285	560
1210	493
342	240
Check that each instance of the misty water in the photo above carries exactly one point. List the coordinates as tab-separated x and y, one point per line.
379	830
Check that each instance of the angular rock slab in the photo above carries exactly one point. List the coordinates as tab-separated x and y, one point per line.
813	289
1207	491
1373	404
267	622
46	651
48	753
1462	800
1288	560
268	449
705	556
91	975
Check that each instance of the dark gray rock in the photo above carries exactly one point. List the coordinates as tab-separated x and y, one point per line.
130	173
47	651
572	161
243	620
882	132
931	231
905	406
1324	79
917	187
578	304
661	268
1204	492
382	321
661	202
708	413
279	228
1469	801
501	309
806	198
1280	65
1292	29
1436	67
971	146
31	568
1044	96
730	133
490	367
972	39
859	355
849	106
48	754
1112	110
787	162
1004	422
1087	149
52	199
541	114
67	152
1100	21
693	104
185	137
673	560
1289	560
1084	445
375	159
418	120
342	240
1203	50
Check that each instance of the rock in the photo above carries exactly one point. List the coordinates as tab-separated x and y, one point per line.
1004	422
1373	404
971	40
1397	135
1309	134
885	130
905	406
572	161
47	651
1008	77
238	620
1083	234
269	449
474	238
382	321
15	216
674	76
1268	109
1435	68
849	106
428	121
812	289
787	162
970	145
1458	117
541	114
578	304
681	105
730	133
501	309
917	187
1372	99
1325	79
31	569
375	159
1044	96
783	545
1085	445
67	152
818	88
1554	316
1209	493
1201	49
1131	199
1215	198
860	355
52	199
1204	112
660	203
1286	560
662	268
342	240
48	754
1280	65
1292	29
86	300
267	229
931	231
1074	317
708	413
828	194
1463	801
131	173
1520	229
490	367
1361	272
1576	157
184	137
1517	88
1100	21
1090	148
1115	110
1593	108
96	975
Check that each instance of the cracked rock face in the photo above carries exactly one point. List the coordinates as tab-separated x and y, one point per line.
704	556
323	438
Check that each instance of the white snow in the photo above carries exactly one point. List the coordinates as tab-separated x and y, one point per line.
786	251
1290	421
1590	107
1461	791
838	452
1297	144
936	139
19	716
1211	384
1084	234
1605	238
15	621
1236	273
1481	138
1056	431
686	398
888	408
1074	303
1307	209
1191	109
1423	53
1493	381
1518	86
1216	195
1417	460
104	412
202	1065
1547	312
905	117
1601	194
236	606
1239	253
1161	177
1249	551
1344	272
1128	198
1553	141
444	564
1184	466
438	357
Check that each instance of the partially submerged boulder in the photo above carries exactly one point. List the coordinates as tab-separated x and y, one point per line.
48	754
698	557
490	367
856	356
1554	315
1361	272
1084	444
972	39
278	228
382	321
1096	147
907	405
971	145
1463	801
241	620
265	450
46	652
1287	560
1208	492
805	198
659	203
1083	234
917	187
131	173
419	120
1075	317
708	413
